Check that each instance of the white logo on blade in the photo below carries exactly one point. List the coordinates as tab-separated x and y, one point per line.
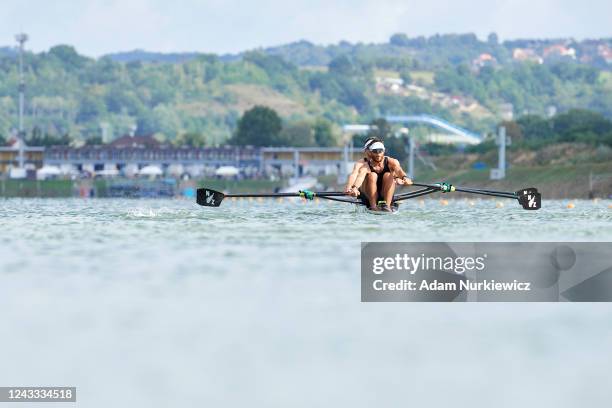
531	199
210	198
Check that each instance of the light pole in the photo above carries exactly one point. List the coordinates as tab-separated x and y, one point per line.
21	39
348	131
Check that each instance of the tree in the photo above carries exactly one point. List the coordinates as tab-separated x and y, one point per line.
405	76
535	127
91	108
342	65
577	122
300	134
399	40
259	126
163	119
191	139
323	133
68	57
395	146
94	141
513	130
492	39
380	128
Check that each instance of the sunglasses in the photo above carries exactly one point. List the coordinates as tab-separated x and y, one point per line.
377	151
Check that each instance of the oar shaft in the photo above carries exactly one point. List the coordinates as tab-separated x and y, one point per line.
250	195
492	193
298	194
414	194
485	192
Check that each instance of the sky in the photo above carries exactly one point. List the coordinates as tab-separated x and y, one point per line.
98	27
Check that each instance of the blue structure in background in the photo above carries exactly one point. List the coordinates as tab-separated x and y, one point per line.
461	135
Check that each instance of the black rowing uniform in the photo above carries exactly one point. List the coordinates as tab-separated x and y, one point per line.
379	180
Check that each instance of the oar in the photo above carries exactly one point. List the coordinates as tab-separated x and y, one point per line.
529	198
414	194
211	198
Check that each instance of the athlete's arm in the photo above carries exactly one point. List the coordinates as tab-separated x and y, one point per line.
352	179
400	175
363	172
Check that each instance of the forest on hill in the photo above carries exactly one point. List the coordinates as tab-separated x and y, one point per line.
199	98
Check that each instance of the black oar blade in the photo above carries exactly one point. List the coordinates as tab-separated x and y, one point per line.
528	190
529	198
209	198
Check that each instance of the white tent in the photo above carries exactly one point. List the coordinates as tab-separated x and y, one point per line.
227	171
107	173
150	171
47	171
176	169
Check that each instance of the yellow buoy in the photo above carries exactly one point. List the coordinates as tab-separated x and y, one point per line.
610	206
422	202
443	202
499	204
570	205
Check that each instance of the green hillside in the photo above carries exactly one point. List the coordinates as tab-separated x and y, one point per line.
200	97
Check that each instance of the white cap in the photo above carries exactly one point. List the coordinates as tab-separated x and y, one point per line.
376	145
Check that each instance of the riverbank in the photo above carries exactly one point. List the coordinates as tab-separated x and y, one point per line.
130	188
554	182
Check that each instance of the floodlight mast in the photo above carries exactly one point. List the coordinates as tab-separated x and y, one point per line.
21	39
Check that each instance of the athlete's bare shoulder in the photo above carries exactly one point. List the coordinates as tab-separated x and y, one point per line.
393	162
359	164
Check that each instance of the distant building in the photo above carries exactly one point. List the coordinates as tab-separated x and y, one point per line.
128	155
484	60
506	111
526	54
9	156
389	84
604	51
131	155
559	50
315	161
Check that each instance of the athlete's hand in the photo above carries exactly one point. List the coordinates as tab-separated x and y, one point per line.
404	181
353	191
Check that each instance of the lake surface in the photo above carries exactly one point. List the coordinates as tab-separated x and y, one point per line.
158	303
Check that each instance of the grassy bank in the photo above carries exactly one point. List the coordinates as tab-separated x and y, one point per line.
35	188
69	188
553	181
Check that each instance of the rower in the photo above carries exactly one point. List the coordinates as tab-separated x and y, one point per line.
375	176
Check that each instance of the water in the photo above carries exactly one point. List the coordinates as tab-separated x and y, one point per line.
158	303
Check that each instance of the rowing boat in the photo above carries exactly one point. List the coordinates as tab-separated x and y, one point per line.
393	207
528	198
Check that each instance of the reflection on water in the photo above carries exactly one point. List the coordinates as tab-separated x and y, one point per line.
164	303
